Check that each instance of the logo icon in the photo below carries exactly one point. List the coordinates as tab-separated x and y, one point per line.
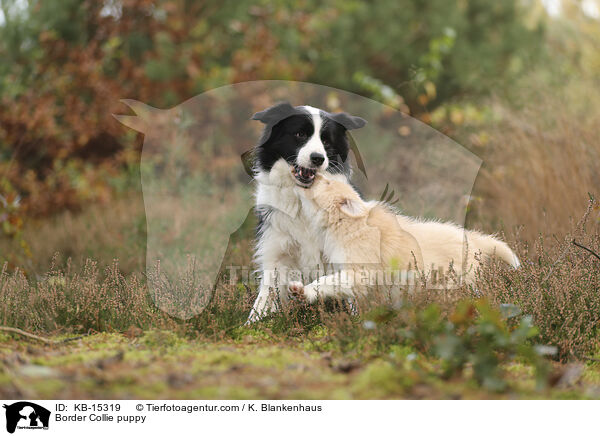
26	415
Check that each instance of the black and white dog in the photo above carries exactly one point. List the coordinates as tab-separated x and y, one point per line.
297	142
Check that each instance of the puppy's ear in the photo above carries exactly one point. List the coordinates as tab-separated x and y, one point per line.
274	114
353	208
350	122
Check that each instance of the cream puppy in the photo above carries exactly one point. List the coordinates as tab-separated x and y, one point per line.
366	240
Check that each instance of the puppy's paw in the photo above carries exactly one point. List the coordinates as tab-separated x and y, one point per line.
296	291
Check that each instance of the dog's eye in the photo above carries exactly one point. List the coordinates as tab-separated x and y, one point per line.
300	135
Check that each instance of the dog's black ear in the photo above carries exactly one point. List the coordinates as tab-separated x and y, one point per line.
350	122
275	113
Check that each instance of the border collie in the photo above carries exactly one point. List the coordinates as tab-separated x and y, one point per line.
297	143
364	239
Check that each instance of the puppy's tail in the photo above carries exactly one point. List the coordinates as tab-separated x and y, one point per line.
491	246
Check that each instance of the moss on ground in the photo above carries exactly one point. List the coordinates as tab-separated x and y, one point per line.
160	364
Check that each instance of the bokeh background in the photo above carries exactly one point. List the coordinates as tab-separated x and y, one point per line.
515	82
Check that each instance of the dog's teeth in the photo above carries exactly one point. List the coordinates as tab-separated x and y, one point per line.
304	175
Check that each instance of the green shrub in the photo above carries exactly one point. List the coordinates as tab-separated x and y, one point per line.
479	336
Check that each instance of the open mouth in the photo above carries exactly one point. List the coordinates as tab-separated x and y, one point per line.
304	176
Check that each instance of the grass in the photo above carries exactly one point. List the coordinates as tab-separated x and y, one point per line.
540	161
101	231
161	364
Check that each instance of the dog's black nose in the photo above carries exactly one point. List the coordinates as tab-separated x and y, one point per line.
317	158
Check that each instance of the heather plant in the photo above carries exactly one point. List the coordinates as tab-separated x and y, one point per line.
558	285
64	300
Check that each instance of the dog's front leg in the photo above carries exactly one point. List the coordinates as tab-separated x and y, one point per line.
269	297
263	304
338	284
278	269
276	254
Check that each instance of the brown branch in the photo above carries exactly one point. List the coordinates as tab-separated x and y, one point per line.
589	250
36	337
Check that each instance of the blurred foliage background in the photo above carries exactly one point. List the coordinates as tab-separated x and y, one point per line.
514	81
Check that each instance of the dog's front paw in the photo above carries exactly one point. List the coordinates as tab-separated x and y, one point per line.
296	291
299	292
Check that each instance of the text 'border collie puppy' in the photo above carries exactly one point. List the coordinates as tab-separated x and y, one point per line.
296	144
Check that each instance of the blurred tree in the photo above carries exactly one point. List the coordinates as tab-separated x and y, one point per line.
427	51
66	64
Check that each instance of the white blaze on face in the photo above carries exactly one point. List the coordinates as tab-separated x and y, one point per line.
314	143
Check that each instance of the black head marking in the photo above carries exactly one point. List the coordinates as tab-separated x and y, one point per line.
350	122
288	128
275	113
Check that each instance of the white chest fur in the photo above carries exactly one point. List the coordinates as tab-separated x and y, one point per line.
289	238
